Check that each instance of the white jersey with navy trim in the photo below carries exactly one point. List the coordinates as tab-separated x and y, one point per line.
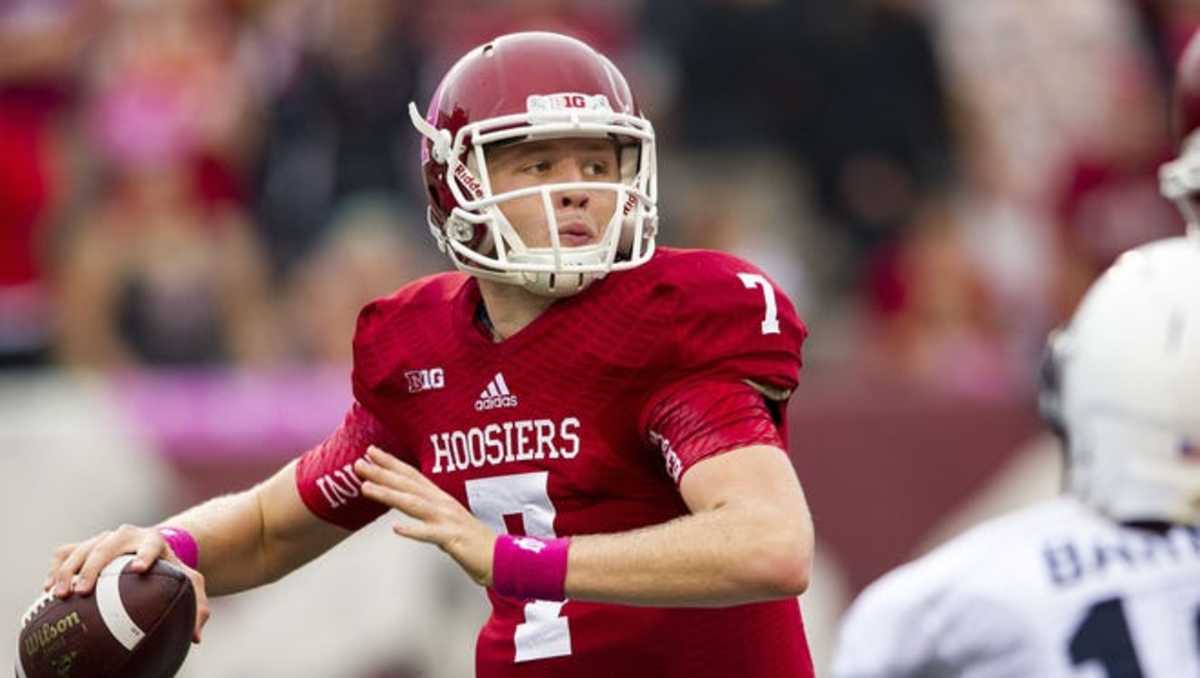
1052	590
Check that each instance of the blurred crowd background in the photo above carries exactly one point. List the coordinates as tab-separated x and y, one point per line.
196	197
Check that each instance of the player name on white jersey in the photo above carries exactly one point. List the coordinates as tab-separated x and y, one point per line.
1069	562
505	442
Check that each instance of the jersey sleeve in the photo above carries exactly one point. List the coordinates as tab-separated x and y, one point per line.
702	418
325	474
731	362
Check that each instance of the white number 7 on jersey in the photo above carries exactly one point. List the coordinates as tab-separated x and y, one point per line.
526	498
770	324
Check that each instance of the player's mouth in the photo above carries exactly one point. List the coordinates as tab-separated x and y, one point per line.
575	234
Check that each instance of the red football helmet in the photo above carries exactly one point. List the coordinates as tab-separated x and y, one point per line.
1180	178
533	86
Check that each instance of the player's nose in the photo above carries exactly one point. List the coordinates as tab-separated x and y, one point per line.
571	172
576	198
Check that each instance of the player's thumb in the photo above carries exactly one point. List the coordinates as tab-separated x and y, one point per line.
202	609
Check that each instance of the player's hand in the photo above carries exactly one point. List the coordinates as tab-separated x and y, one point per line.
74	568
438	518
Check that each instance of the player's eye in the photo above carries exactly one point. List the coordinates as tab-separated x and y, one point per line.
536	167
597	168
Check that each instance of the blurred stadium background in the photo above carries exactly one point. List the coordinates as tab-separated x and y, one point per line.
196	196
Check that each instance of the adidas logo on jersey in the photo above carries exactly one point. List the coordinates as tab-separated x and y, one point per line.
496	395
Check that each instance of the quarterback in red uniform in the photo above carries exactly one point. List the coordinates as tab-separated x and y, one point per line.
590	426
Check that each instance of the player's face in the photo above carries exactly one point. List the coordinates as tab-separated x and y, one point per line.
581	214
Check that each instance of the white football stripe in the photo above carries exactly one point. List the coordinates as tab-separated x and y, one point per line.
501	383
20	668
112	609
491	389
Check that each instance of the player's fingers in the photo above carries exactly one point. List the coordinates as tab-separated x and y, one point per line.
385	477
125	539
391	463
409	504
151	548
71	564
100	556
202	610
398	470
417	531
56	560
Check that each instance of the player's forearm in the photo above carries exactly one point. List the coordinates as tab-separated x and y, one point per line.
255	537
726	556
229	535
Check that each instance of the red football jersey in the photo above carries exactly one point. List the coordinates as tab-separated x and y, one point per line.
581	423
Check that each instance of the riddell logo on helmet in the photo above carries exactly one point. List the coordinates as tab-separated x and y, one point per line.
471	183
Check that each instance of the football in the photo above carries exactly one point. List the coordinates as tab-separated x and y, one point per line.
132	625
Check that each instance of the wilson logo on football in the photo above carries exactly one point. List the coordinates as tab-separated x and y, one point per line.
496	395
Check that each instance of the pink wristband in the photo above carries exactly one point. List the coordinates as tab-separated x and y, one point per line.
183	544
530	568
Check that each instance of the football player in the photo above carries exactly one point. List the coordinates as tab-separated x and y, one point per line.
589	426
1180	178
1105	580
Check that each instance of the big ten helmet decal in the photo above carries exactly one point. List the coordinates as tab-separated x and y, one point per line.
528	87
1129	386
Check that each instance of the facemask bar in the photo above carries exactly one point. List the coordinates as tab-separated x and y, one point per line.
632	226
1179	181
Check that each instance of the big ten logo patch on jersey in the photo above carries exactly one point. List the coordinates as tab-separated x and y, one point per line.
425	380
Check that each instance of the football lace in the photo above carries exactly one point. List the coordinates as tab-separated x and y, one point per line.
38	605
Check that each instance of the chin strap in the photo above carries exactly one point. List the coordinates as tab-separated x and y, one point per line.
440	140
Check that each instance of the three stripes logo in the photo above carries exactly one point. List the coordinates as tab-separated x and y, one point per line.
495	395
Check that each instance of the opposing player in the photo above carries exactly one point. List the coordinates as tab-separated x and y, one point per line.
1104	581
591	427
1179	180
